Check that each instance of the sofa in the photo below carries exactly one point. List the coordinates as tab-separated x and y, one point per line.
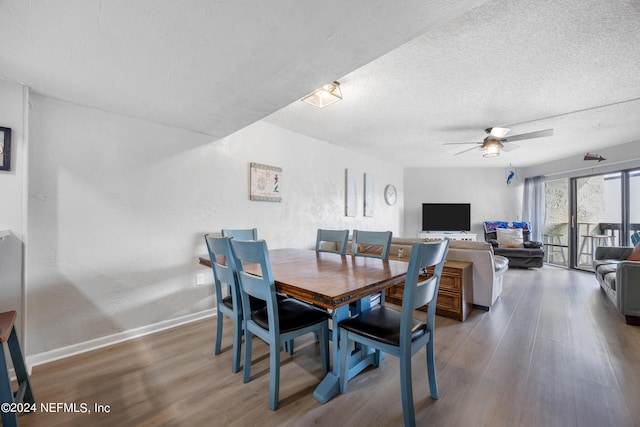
488	269
619	278
512	240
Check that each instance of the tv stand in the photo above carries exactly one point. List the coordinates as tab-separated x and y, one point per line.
452	235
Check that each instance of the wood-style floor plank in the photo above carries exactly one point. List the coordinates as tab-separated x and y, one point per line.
552	351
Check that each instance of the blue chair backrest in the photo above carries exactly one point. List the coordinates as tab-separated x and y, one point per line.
373	238
340	237
222	264
258	286
241	233
419	291
635	238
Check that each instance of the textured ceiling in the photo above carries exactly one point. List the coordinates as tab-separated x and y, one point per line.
414	74
570	65
210	66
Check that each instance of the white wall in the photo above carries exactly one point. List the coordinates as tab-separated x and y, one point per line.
485	188
13	99
118	207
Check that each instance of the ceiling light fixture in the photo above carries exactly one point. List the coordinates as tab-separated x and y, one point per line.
491	148
326	95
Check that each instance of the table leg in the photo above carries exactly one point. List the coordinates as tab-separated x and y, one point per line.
360	358
330	385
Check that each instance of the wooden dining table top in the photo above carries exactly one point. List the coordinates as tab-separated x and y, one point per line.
326	279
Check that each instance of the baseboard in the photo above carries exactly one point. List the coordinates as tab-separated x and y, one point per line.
83	347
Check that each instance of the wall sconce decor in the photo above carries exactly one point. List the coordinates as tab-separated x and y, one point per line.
5	149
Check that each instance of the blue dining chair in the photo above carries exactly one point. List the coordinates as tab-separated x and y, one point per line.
340	239
397	332
366	239
362	244
229	305
280	321
635	238
241	233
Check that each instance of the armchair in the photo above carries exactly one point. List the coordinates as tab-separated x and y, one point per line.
511	240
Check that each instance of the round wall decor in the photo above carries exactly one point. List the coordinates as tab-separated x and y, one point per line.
390	195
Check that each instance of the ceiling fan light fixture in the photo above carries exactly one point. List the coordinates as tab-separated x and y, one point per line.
326	95
491	148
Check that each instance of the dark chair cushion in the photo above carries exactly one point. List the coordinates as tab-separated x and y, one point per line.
293	315
255	302
228	301
381	324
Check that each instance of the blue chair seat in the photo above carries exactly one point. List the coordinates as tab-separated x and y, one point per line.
382	324
293	315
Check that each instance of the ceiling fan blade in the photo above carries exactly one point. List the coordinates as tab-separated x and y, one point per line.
507	146
498	132
538	134
459	143
469	149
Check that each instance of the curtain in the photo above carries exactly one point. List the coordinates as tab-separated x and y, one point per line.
533	206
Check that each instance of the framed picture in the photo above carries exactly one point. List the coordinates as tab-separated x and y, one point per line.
350	194
265	183
368	195
5	149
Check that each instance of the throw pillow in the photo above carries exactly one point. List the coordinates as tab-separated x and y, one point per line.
635	255
510	237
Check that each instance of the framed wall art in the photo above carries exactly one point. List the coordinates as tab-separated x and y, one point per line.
368	195
5	149
265	183
350	194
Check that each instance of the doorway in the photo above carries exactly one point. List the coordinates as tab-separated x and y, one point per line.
598	216
584	213
556	222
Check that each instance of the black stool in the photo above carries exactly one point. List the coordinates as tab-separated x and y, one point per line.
23	394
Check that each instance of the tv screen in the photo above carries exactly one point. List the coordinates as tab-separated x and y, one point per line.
446	217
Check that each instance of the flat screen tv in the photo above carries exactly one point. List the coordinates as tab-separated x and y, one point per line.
446	217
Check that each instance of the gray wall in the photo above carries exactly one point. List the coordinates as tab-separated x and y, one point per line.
485	188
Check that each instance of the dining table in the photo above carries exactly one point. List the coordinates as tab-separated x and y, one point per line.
332	281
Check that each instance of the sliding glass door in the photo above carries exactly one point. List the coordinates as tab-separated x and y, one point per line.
556	222
598	216
584	213
633	231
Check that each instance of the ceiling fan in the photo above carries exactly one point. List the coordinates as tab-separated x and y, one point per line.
497	140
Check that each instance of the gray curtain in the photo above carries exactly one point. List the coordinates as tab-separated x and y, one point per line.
533	206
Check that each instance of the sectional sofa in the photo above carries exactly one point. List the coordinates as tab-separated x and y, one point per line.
488	269
619	278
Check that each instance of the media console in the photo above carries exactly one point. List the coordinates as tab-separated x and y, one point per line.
440	235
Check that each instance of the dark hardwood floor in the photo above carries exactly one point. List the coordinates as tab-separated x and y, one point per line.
553	351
